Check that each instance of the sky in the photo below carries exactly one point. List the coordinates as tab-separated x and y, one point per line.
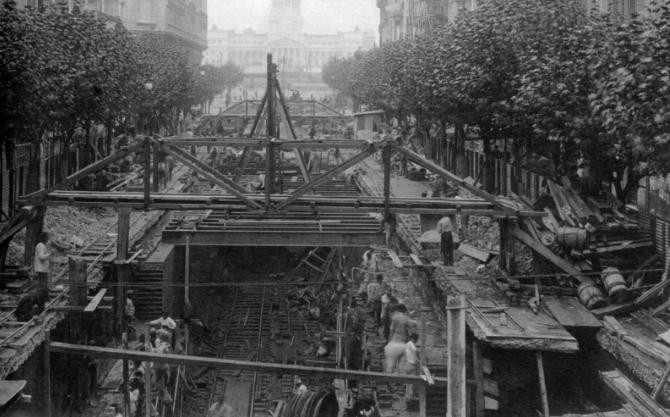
321	16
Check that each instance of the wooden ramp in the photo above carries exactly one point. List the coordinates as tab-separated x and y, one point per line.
570	312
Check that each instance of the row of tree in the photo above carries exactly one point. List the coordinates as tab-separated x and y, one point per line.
544	75
63	72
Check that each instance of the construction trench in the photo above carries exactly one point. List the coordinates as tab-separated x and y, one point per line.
257	255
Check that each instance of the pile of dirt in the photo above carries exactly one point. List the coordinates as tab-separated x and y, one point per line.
70	229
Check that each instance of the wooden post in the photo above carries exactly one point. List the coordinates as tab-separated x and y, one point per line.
126	377
478	371
386	156
543	384
187	272
147	172
147	381
156	183
656	394
271	132
122	272
456	355
47	372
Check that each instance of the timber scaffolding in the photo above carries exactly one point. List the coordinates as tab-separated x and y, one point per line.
239	216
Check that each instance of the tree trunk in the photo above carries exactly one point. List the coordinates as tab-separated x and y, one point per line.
488	173
459	149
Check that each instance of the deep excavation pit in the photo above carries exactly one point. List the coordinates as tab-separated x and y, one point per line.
269	318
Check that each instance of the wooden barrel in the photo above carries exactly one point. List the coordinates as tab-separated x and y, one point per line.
573	237
591	296
548	239
615	284
312	404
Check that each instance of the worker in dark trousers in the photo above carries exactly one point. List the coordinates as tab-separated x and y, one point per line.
445	230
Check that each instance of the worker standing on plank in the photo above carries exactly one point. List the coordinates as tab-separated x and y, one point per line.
374	293
164	322
401	328
411	363
445	230
42	264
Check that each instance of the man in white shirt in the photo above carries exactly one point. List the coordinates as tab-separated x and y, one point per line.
164	322
445	230
41	262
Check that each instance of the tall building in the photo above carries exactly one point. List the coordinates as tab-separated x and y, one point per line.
183	22
407	18
294	50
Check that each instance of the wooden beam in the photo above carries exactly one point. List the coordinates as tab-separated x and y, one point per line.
280	238
543	384
658	389
47	372
478	372
93	304
260	142
456	357
217	363
297	151
549	255
386	156
418	159
147	172
245	154
93	168
302	190
216	178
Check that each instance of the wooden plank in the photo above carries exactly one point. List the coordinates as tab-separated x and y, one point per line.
395	258
652	292
237	394
543	384
613	309
658	389
10	390
478	373
631	393
569	312
272	368
550	256
456	357
93	304
614	327
474	252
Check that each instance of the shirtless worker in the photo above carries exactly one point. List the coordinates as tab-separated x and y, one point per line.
401	328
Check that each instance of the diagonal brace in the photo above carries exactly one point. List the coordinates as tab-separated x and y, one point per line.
94	167
305	188
418	159
210	174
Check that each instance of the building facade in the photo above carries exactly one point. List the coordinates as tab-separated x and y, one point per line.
400	19
294	50
183	22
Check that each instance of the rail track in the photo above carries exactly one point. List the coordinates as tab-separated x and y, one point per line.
245	332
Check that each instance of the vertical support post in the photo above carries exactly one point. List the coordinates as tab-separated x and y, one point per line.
421	388
156	183
122	240
126	377
456	384
77	277
47	372
271	132
478	372
147	172
386	156
187	272
147	383
543	384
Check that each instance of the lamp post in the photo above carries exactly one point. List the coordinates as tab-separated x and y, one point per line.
149	86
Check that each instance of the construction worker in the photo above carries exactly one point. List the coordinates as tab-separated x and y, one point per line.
445	230
164	322
411	363
401	326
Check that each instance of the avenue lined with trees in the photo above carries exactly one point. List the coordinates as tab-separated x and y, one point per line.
550	77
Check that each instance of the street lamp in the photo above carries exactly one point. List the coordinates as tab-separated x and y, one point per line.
149	86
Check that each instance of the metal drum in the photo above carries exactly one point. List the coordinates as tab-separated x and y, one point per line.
573	237
615	284
591	296
312	404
